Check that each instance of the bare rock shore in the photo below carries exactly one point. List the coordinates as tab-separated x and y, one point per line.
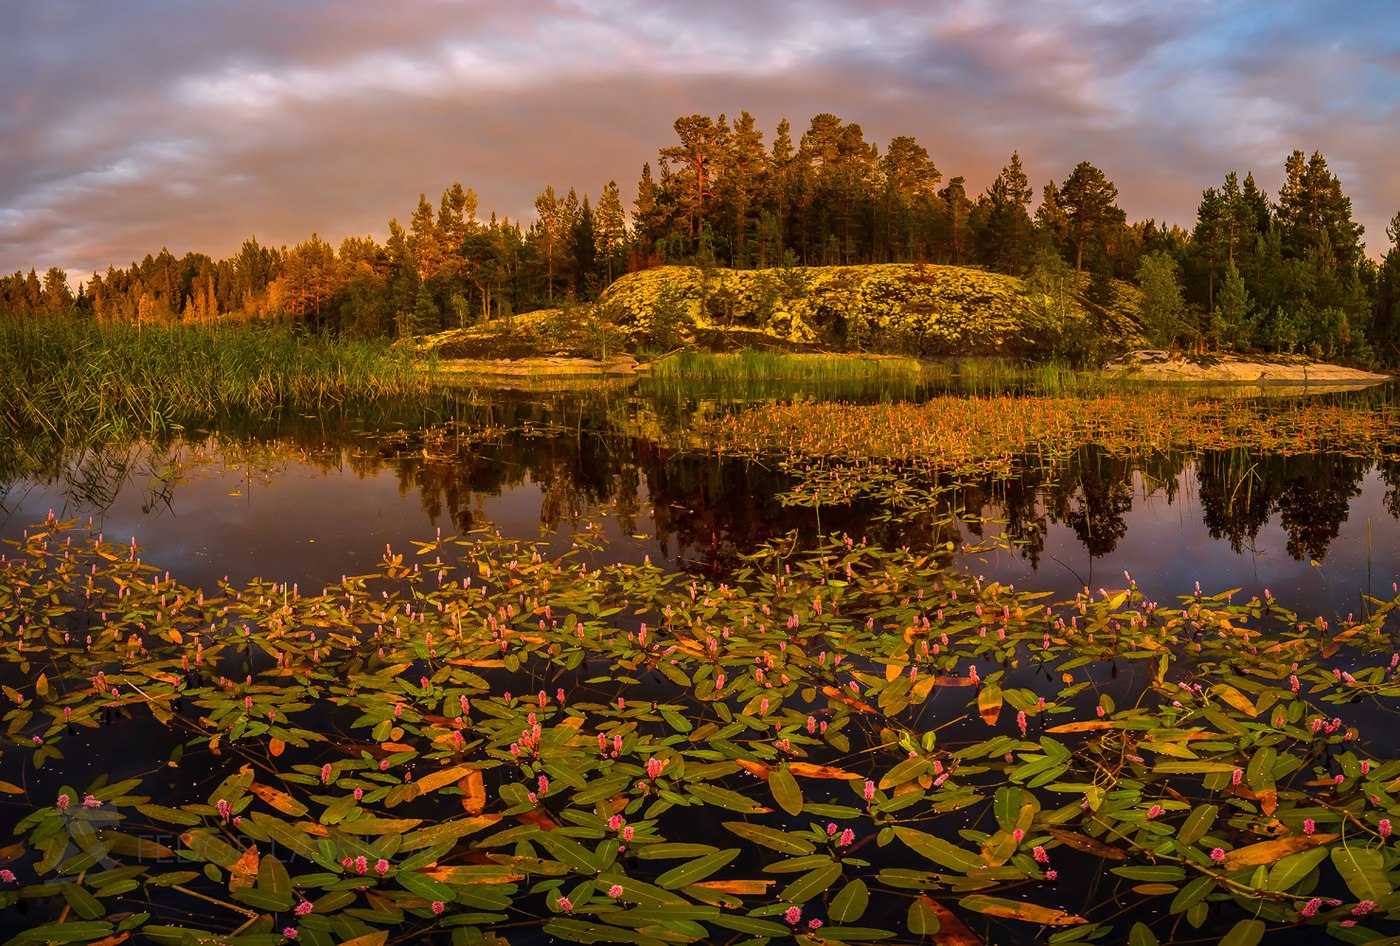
1156	365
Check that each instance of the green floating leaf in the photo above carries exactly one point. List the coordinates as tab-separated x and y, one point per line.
752	925
810	884
725	798
1200	821
923	919
81	932
786	791
771	838
1141	935
1290	871
849	905
1363	870
425	887
696	870
1156	873
83	903
1244	933
937	849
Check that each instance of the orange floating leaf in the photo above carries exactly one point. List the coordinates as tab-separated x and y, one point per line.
842	697
1267	852
753	768
951	930
474	785
740	887
278	799
1019	910
244	873
808	770
1084	725
435	780
538	818
1082	842
113	940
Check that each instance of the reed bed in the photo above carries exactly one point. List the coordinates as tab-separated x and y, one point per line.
751	365
996	434
70	378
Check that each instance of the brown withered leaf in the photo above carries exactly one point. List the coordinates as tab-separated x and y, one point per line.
1082	842
1267	852
474	785
843	697
244	873
740	887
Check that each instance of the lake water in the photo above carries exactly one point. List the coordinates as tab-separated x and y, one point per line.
308	501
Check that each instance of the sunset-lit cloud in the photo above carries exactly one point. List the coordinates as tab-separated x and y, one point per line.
128	127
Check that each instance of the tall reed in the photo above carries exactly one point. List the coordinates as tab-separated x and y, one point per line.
74	377
752	365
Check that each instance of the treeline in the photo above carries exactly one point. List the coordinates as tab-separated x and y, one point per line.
1254	272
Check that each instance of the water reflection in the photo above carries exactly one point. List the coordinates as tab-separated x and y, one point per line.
322	496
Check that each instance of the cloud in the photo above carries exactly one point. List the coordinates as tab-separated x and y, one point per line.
132	126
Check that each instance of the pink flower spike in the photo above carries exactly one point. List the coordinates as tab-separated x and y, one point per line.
438	907
1217	854
62	803
1052	875
90	801
654	767
814	924
303	908
1310	908
1039	854
7	876
793	915
381	867
1309	826
359	793
290	932
566	905
1384	827
847	838
1017	834
615	891
869	791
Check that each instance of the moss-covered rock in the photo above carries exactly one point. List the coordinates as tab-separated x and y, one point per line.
908	308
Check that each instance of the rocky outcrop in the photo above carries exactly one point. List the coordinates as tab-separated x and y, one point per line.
1156	365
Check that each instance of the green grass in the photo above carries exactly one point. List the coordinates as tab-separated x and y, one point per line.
75	378
992	376
752	365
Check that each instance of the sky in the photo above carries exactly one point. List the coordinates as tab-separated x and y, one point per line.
195	124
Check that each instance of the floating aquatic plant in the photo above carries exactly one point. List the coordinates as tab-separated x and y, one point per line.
841	745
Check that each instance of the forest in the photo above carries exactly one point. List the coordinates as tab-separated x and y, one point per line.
1253	273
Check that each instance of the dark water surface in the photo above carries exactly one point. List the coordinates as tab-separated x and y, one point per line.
309	503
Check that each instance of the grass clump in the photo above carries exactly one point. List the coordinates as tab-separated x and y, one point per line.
81	378
753	365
